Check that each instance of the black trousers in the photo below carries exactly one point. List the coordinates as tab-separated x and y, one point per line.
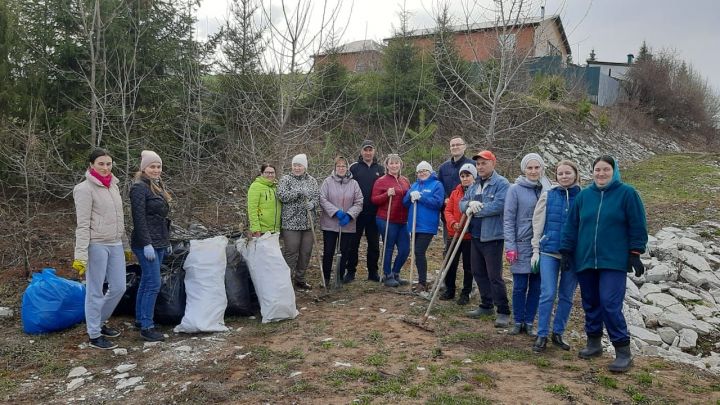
463	251
488	273
365	223
329	243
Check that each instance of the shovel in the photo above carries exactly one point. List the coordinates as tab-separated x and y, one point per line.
312	229
338	259
387	225
412	246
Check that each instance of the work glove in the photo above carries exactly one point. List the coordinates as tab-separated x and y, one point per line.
149	252
168	250
473	207
535	263
566	261
414	196
310	205
511	256
634	263
339	214
80	266
345	220
128	255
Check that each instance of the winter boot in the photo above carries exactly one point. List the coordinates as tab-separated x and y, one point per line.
540	344
623	359
558	341
529	329
517	329
349	277
390	281
593	348
502	320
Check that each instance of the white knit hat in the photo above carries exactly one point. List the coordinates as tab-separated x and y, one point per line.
148	157
301	159
470	168
423	166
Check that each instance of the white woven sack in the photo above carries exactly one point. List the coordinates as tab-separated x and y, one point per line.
270	276
205	287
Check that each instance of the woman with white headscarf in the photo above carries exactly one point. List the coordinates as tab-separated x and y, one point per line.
519	207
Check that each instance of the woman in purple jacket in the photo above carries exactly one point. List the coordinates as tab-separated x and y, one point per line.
341	201
517	226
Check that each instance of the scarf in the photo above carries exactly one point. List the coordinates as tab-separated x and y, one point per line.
105	180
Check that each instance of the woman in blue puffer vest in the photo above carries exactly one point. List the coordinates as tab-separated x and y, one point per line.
550	215
605	234
520	204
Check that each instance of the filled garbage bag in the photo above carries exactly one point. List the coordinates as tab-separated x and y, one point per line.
52	303
126	306
238	287
170	302
270	276
205	286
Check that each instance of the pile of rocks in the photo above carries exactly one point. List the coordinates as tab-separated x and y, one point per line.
677	301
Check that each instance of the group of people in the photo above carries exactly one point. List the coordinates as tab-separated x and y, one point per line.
102	248
554	237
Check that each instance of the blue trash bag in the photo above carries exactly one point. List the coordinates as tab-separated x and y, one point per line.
52	303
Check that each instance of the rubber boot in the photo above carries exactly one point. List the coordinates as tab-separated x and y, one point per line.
540	344
593	348
623	359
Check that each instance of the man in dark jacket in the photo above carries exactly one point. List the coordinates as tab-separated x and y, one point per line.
449	172
365	171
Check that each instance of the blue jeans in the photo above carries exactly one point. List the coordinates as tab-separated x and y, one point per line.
525	296
603	305
149	287
549	272
397	236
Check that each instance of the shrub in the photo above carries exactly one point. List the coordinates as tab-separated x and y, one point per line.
583	108
548	87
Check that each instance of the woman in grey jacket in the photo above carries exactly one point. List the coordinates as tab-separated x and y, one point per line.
341	201
299	194
99	244
519	207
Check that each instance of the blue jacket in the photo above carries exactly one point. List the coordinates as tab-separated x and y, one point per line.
517	221
557	208
428	206
487	225
604	225
449	173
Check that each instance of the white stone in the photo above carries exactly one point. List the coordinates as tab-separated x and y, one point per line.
701	311
633	303
650	314
713	321
77	372
692	277
121	376
75	384
120	351
688	339
631	290
664	234
710	279
649	288
712	259
125	368
633	316
295	374
147	345
341	364
662	300
695	261
679	322
6	312
691	245
645	335
186	349
661	272
667	334
122	384
684	295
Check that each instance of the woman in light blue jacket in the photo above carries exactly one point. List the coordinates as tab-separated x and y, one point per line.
517	226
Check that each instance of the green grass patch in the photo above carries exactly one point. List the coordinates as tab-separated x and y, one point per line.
461	337
635	395
462	399
483	378
340	377
377	359
607	381
349	344
644	378
302	387
543	362
375	336
557	389
444	376
501	355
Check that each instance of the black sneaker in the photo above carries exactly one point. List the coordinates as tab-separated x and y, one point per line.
464	299
348	278
152	335
302	285
373	277
109	332
102	343
447	297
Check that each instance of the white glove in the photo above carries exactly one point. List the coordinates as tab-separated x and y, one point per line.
309	205
473	207
535	261
414	196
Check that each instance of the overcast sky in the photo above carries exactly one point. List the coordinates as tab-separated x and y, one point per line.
613	28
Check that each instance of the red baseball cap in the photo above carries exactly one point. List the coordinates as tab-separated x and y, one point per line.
486	154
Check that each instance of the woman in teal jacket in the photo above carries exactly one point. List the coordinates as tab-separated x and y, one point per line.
263	206
604	235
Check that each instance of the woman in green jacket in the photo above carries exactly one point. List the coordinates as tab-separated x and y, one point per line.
263	206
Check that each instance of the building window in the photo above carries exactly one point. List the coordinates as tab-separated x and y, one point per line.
552	50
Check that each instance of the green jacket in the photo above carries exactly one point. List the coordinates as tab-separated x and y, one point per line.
263	206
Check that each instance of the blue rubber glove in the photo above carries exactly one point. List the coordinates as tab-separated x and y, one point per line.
345	220
149	252
339	214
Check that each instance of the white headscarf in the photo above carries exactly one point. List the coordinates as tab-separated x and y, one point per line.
544	181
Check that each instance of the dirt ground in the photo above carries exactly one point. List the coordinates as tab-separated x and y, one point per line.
346	346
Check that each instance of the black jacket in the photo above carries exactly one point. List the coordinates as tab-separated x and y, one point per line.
151	225
365	176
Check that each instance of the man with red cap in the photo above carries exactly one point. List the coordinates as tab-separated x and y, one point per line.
484	202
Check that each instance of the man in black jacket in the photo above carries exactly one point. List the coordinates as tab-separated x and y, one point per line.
365	171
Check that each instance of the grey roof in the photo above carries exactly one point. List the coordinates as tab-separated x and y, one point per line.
357	46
